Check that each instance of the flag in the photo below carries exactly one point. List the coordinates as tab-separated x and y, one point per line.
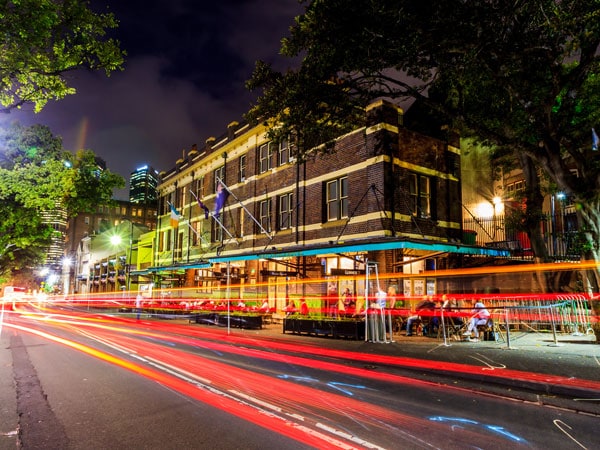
174	216
594	140
222	194
201	205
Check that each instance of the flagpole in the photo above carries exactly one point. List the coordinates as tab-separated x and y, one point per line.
246	209
215	218
175	229
190	220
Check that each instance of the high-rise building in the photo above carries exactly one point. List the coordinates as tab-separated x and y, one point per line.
142	186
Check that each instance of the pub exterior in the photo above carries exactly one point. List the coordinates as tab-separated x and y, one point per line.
241	211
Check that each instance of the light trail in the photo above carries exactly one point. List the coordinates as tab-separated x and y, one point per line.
292	398
210	397
276	347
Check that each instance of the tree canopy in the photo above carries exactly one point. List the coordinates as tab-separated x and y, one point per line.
523	74
42	40
36	176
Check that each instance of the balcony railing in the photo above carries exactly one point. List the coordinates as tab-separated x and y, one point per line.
557	231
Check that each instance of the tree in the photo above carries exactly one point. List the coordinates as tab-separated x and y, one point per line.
37	175
42	40
523	75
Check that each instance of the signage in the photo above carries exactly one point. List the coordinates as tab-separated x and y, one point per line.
342	272
278	273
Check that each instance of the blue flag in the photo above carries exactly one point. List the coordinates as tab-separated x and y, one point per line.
594	140
201	205
222	194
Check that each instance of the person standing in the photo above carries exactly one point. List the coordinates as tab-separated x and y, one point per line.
303	307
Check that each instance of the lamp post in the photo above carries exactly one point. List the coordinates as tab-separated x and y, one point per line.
128	269
115	240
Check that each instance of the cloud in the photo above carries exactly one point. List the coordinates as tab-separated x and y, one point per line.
183	81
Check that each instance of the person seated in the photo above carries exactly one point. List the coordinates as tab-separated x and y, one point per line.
480	316
264	308
422	306
290	308
451	309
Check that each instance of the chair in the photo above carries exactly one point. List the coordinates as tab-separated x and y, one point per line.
453	328
490	331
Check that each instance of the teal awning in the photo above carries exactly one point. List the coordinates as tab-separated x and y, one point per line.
174	267
361	247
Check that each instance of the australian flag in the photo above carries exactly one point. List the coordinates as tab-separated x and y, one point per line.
201	205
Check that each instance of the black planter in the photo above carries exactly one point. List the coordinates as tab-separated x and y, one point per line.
235	320
350	329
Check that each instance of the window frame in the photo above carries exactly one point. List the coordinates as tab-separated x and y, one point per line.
219	172
420	195
285	205
264	214
336	200
242	167
284	155
265	160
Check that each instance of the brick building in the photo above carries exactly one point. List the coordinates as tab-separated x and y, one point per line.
385	196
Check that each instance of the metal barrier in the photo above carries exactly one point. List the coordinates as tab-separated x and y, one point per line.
378	326
569	314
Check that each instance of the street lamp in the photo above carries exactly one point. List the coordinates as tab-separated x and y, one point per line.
117	240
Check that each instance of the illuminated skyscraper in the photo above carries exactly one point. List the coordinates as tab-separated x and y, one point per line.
142	186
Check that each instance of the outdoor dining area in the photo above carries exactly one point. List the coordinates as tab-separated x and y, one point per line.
449	318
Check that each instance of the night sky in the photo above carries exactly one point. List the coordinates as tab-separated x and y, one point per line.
183	80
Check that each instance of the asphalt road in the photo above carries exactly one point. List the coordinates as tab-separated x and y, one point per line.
100	384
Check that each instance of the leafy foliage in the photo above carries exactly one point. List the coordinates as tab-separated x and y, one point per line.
37	175
42	40
521	75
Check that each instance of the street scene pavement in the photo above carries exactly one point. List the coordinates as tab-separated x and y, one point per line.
561	371
557	366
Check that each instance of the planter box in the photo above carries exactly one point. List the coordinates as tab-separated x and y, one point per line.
235	320
352	329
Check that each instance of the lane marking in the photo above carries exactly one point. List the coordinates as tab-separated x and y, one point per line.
559	424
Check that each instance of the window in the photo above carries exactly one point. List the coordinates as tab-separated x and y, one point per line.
264	214
200	188
219	175
265	153
284	220
242	167
284	155
216	231
337	199
420	196
181	199
86	220
515	188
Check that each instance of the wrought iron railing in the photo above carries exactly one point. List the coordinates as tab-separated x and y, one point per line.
496	232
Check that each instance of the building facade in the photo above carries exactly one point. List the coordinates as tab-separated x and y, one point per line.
143	183
384	196
83	227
